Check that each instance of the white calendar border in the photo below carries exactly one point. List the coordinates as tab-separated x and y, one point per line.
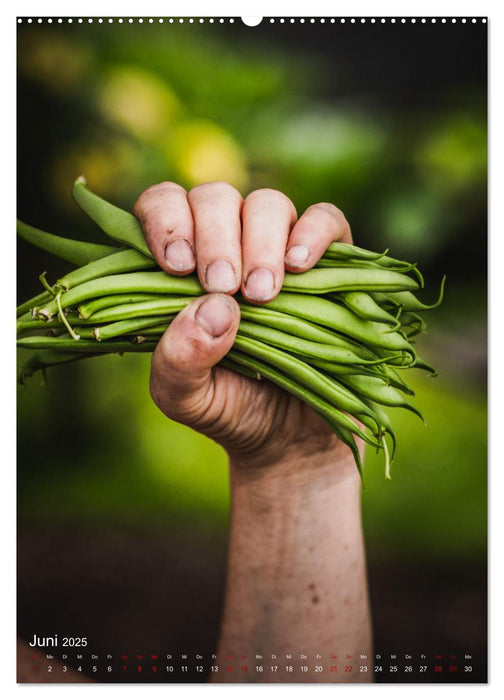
427	8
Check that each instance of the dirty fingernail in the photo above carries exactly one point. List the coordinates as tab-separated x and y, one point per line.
179	255
215	315
297	255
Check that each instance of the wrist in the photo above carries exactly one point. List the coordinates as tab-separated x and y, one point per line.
310	468
294	496
296	568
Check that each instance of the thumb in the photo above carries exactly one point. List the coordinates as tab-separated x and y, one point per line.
181	381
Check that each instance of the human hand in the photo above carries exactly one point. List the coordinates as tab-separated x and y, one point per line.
234	244
296	570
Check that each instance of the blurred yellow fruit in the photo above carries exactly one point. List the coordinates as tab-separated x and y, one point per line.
204	152
138	101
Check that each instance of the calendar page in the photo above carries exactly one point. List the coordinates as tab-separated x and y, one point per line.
252	409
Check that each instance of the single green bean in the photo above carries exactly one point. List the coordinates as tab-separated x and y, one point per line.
385	421
42	359
25	326
324	280
392	265
41	298
161	307
239	369
158	329
83	332
364	306
115	222
129	326
112	314
395	380
378	391
421	364
328	262
347	251
408	301
74	252
83	345
333	369
122	261
347	438
86	310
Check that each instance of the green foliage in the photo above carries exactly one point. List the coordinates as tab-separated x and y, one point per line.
435	504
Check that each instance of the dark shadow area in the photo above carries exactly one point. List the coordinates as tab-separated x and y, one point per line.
135	592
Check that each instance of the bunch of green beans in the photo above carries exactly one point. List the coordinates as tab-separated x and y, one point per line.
337	336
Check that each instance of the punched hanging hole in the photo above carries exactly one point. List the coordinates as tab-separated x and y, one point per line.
251	21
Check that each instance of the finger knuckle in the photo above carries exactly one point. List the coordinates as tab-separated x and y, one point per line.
270	196
326	208
329	210
212	190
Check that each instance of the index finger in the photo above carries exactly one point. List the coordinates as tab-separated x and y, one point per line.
165	215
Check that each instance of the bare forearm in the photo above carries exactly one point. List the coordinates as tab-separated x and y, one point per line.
296	573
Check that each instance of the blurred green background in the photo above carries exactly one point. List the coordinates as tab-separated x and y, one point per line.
389	123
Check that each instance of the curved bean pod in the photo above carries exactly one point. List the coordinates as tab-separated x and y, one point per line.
324	280
363	304
348	251
75	252
160	307
30	324
370	264
227	363
395	380
333	369
37	300
67	344
115	222
385	421
129	326
42	359
378	391
421	364
87	309
408	301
